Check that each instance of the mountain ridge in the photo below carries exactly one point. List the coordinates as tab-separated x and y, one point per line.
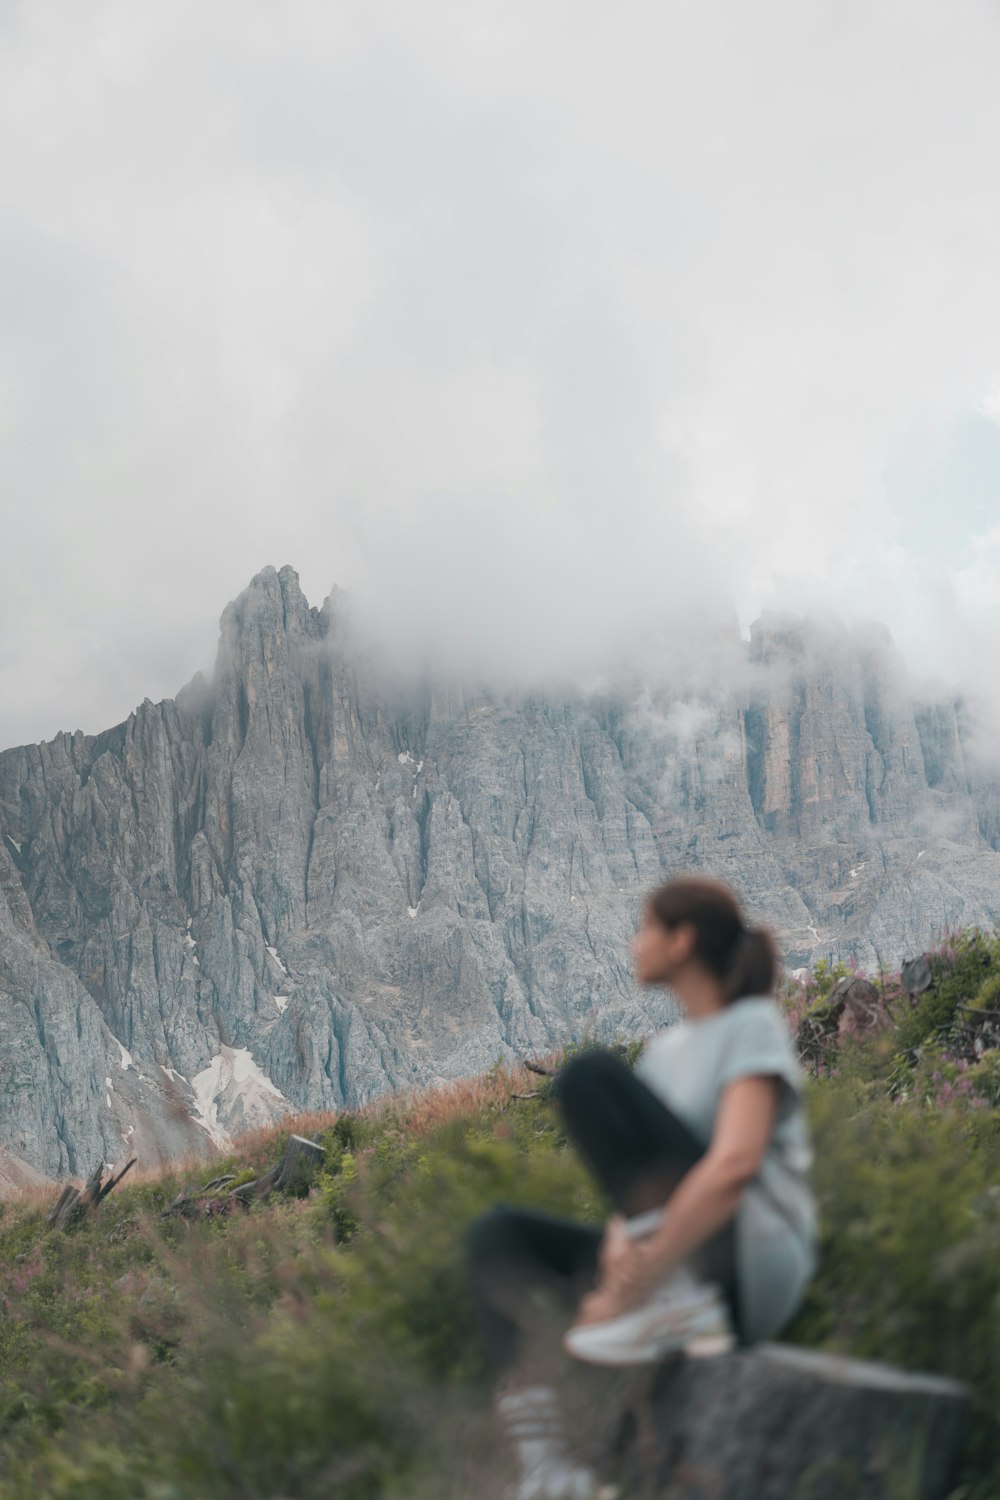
309	880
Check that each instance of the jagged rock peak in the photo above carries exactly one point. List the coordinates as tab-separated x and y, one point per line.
309	880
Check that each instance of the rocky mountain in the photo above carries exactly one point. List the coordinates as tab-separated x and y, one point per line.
306	882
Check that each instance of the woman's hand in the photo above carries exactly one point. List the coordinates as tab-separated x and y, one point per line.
600	1306
707	1197
626	1275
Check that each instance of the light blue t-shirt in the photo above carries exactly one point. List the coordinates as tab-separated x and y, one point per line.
689	1066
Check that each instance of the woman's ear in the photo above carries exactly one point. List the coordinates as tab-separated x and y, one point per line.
684	941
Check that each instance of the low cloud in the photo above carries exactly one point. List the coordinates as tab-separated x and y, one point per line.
546	330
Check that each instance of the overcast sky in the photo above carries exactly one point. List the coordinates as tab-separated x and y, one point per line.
531	322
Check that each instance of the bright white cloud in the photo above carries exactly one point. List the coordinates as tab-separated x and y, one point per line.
532	324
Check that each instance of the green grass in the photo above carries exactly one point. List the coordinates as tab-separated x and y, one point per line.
323	1345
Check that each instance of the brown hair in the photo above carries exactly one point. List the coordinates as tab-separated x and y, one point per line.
744	958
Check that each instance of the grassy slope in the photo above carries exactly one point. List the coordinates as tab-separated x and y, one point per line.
322	1345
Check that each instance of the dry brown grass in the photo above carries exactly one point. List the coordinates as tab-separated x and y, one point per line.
425	1111
32	1199
418	1112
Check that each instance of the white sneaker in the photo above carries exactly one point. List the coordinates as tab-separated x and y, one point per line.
681	1315
531	1417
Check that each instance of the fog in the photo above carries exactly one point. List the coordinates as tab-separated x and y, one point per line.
540	327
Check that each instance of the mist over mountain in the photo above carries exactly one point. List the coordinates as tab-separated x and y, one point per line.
533	318
313	878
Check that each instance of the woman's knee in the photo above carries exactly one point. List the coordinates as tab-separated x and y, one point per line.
585	1075
491	1236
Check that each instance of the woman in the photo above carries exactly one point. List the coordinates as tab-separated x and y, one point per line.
703	1152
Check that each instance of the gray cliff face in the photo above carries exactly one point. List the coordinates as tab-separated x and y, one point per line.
303	886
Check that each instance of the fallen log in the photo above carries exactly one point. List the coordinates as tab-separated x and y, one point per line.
201	1205
292	1174
180	1204
773	1422
219	1182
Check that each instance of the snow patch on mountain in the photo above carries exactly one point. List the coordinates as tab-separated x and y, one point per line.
233	1094
274	954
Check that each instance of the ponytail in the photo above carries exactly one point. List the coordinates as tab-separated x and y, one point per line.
753	966
743	958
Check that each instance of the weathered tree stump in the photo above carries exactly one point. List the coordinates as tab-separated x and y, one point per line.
916	975
775	1422
292	1174
299	1164
852	997
73	1202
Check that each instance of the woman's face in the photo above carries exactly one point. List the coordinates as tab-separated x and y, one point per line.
658	952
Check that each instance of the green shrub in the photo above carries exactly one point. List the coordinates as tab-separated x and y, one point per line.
988	995
824	976
910	1258
316	1346
984	1079
960	969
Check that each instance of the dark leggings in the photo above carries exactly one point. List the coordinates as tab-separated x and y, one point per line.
638	1151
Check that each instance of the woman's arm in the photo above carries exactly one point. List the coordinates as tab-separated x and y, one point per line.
706	1198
